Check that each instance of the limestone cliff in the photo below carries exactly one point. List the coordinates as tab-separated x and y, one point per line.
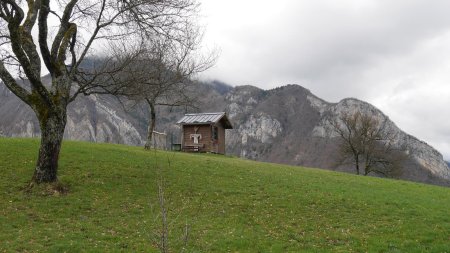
94	118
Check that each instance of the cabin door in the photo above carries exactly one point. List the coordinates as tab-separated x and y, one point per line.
215	139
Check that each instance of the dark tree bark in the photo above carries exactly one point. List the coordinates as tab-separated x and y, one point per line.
357	165
52	132
151	125
52	119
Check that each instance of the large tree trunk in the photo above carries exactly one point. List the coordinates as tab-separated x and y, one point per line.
52	125
151	125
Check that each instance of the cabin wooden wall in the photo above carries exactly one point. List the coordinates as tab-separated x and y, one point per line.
209	145
204	130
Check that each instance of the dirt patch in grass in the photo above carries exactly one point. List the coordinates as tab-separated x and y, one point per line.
47	189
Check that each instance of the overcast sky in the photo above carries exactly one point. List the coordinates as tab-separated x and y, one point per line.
394	54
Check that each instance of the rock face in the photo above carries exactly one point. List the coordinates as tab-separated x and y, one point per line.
94	118
283	125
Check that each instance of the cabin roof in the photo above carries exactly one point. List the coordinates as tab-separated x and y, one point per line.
205	118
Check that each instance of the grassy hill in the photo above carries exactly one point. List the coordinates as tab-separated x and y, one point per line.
228	204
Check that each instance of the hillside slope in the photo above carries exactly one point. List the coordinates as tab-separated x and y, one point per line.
228	204
283	125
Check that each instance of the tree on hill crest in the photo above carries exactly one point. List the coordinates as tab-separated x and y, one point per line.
367	144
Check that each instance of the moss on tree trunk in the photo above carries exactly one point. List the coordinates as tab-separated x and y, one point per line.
52	133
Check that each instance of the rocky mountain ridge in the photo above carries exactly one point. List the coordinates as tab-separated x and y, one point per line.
283	125
298	135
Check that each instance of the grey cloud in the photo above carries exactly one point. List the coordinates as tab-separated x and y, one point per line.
369	49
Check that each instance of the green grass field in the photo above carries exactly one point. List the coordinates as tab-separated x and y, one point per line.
229	204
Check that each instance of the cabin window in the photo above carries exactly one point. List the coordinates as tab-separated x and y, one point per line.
215	133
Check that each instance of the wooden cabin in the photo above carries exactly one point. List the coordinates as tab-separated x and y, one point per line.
204	132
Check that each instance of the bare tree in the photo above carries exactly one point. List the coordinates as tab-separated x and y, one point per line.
161	236
164	243
163	74
61	34
367	143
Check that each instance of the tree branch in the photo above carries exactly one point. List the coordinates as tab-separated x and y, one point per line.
91	39
33	8
55	51
13	86
42	36
25	50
